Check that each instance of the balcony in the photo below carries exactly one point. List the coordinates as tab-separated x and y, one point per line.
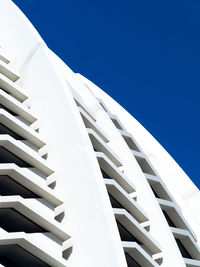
28	212
186	243
12	88
125	201
79	103
8	71
135	229
18	130
27	181
14	106
130	141
174	215
13	151
116	122
9	187
113	172
24	250
89	123
100	146
158	187
140	256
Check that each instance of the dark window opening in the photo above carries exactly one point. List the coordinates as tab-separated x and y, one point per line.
6	130
5	91
7	262
8	110
8	157
126	235
116	123
114	202
105	175
156	195
168	219
9	187
183	250
144	165
103	106
130	143
13	221
159	191
16	256
131	262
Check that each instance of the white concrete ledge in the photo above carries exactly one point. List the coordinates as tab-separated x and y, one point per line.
8	71
188	241
165	204
138	154
130	141
25	153
20	128
137	230
159	186
101	146
115	173
139	254
116	122
12	88
31	244
17	107
31	181
103	105
31	211
89	123
144	163
191	263
85	108
126	201
152	178
3	57
175	213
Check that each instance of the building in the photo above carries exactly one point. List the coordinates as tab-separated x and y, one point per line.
82	183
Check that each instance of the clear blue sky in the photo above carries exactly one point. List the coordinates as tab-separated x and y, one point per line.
145	54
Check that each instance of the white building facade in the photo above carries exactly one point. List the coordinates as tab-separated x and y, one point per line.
82	183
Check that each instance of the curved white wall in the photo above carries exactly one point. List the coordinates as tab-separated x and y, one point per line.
89	218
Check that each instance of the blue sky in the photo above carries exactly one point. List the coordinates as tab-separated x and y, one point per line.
145	54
